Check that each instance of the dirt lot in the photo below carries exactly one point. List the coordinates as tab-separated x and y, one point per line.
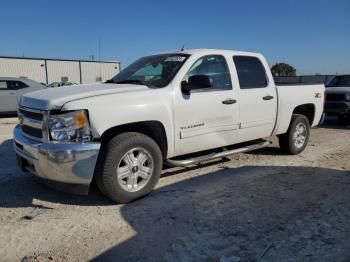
259	206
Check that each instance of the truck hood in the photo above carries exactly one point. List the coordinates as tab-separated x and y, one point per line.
55	98
338	89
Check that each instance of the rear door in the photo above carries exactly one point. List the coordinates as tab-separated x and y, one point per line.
257	98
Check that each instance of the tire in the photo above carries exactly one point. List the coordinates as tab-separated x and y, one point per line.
129	167
294	141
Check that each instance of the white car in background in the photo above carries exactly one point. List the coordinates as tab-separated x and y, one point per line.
11	89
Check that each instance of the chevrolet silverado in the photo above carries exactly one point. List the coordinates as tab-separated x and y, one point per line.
162	108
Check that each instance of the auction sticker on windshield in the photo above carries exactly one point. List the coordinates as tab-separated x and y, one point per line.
175	59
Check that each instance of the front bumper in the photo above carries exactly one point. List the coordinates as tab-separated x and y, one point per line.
337	108
65	166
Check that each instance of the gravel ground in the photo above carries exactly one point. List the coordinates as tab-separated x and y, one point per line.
260	206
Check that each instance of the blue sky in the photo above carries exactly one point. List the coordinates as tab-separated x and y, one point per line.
313	36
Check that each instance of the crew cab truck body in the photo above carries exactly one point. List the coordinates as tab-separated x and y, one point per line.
160	108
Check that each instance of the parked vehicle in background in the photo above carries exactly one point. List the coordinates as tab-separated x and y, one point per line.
61	83
338	98
160	108
11	90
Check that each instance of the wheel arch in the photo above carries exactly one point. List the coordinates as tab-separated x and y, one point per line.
308	110
154	129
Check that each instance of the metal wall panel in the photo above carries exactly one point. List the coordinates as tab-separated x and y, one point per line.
56	70
98	71
30	68
45	70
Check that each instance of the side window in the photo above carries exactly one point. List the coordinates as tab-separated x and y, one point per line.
15	85
251	72
214	66
3	85
21	85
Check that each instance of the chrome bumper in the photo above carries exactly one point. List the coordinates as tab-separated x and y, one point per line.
68	166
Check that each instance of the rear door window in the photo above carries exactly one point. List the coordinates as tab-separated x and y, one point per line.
15	85
251	72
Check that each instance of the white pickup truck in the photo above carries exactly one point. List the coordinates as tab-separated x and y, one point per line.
162	108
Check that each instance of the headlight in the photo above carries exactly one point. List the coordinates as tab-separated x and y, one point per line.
71	126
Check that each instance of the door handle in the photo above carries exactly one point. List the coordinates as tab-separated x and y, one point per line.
12	93
268	97
229	101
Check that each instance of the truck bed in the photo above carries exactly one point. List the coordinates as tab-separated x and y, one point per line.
290	96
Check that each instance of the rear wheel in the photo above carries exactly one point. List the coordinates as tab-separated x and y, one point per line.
129	168
295	140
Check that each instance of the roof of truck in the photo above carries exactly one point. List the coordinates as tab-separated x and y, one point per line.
208	50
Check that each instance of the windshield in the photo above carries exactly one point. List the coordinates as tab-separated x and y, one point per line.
340	81
152	71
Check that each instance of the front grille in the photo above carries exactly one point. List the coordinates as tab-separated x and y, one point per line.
31	122
32	115
335	97
31	131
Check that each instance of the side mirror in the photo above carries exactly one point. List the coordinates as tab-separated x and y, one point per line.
196	82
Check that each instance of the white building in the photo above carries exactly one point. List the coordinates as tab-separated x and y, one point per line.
46	71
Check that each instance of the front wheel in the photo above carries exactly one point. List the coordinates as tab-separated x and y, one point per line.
295	140
129	167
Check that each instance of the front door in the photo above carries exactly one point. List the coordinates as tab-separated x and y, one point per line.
206	118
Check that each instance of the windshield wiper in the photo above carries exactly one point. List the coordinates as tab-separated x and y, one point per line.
130	81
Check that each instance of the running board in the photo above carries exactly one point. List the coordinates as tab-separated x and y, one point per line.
197	160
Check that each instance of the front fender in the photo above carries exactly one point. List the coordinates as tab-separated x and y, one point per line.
110	111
